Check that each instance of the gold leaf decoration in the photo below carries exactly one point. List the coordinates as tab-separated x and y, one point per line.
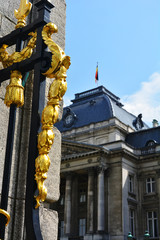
7	60
15	90
22	13
60	64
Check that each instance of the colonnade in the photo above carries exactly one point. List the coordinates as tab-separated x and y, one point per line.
90	202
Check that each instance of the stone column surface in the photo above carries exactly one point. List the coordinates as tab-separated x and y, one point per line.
100	197
67	210
158	189
48	223
90	202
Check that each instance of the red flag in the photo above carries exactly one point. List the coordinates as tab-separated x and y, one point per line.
96	75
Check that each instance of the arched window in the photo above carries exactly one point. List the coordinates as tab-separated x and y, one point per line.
150	143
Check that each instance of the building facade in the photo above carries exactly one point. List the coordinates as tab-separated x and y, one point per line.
110	171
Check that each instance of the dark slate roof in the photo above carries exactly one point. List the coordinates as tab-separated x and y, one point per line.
93	106
139	139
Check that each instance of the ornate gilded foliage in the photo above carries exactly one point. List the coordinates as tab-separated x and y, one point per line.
15	90
7	60
60	64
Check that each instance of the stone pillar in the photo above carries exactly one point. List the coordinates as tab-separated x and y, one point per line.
74	205
141	223
90	202
67	210
100	198
158	191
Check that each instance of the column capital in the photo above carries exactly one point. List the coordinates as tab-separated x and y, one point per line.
102	167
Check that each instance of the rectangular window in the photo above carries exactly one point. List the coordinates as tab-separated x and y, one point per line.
150	185
61	229
131	183
62	200
82	195
82	198
132	221
152	223
82	226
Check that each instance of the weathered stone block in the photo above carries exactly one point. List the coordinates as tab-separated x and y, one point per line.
49	223
53	179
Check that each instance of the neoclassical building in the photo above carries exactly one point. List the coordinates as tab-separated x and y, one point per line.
110	171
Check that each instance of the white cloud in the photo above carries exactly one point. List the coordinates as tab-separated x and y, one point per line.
66	101
146	100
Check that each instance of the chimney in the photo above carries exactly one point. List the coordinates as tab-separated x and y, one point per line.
155	123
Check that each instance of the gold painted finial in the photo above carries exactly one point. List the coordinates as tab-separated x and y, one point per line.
22	13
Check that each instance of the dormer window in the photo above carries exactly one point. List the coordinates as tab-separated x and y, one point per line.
68	117
149	147
150	143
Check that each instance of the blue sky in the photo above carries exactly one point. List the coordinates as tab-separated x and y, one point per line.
123	36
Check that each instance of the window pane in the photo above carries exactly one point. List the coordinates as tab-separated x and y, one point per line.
82	193
150	228
148	180
155	228
82	226
148	187
61	228
152	223
82	197
62	200
149	214
131	222
131	181
155	214
153	187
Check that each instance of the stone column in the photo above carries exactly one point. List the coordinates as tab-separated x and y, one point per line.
90	203
100	198
67	210
158	191
74	205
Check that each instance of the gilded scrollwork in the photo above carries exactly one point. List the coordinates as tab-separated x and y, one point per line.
7	60
22	13
59	59
6	214
60	64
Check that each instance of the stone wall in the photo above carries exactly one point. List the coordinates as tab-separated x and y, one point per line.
15	229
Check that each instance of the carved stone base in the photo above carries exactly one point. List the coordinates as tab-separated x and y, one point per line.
97	236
